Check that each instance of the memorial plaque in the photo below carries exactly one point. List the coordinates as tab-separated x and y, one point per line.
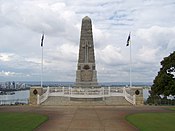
86	75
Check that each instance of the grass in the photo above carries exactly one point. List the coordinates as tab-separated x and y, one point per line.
153	121
173	108
20	121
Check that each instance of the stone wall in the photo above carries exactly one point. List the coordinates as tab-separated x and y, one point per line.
34	91
138	92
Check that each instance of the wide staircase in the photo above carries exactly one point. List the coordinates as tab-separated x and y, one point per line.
93	97
64	101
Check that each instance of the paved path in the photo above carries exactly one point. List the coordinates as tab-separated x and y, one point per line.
71	118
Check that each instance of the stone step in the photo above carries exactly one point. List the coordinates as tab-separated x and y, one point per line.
59	100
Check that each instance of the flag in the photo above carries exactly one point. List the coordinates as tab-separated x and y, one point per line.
42	39
128	40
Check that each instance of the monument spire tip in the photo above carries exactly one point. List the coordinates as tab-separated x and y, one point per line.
86	18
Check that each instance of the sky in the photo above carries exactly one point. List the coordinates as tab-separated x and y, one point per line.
22	22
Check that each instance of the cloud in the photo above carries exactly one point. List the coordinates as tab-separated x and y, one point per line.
3	73
6	57
22	22
13	76
110	55
147	55
157	40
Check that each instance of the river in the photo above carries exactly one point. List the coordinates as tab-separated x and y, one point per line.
17	98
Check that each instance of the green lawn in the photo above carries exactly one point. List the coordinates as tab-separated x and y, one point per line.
173	108
20	121
153	121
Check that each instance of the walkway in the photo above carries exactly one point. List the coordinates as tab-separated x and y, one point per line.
87	118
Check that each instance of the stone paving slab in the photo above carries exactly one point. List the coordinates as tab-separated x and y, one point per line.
92	118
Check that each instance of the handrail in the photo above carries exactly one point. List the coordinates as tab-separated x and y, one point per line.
128	97
86	93
43	97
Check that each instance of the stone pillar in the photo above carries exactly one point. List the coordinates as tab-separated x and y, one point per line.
138	92
86	74
34	91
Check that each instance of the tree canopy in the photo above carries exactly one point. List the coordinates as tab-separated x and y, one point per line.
164	82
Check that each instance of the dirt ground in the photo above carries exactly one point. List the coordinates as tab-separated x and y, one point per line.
85	118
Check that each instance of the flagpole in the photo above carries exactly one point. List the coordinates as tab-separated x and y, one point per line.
130	70
42	66
130	61
42	40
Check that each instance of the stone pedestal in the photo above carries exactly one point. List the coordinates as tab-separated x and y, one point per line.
138	92
34	91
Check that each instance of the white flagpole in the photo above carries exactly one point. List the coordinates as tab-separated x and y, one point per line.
130	70
42	67
42	41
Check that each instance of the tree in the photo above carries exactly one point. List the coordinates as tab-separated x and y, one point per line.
164	82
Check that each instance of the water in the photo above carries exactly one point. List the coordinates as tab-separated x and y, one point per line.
17	98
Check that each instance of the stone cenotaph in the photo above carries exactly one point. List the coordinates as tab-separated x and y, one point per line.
86	74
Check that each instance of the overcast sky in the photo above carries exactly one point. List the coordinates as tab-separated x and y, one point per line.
151	23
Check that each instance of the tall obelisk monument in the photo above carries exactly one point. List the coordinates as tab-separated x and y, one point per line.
86	74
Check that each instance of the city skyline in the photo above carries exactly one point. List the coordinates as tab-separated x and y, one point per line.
151	23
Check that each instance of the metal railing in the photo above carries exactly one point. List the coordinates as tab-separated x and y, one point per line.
128	97
85	93
43	97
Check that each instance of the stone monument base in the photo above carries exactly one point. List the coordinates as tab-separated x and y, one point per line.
87	85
